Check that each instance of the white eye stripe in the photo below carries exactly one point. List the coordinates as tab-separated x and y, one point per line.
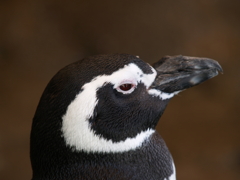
75	126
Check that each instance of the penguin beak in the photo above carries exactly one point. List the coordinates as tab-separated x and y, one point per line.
176	73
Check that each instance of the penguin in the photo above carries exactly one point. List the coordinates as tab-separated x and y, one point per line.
96	118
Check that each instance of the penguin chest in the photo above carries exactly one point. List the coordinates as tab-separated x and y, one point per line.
151	161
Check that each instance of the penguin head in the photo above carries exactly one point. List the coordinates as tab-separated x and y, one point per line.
99	104
109	103
114	111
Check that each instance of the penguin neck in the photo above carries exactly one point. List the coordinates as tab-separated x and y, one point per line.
152	156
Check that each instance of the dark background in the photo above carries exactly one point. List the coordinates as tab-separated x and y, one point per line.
201	125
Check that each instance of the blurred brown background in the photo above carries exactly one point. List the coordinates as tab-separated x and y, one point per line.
201	125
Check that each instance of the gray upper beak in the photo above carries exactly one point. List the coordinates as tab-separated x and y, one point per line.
176	73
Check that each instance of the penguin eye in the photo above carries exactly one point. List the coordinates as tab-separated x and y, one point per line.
126	88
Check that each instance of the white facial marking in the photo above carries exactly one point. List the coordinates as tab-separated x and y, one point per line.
162	95
75	126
